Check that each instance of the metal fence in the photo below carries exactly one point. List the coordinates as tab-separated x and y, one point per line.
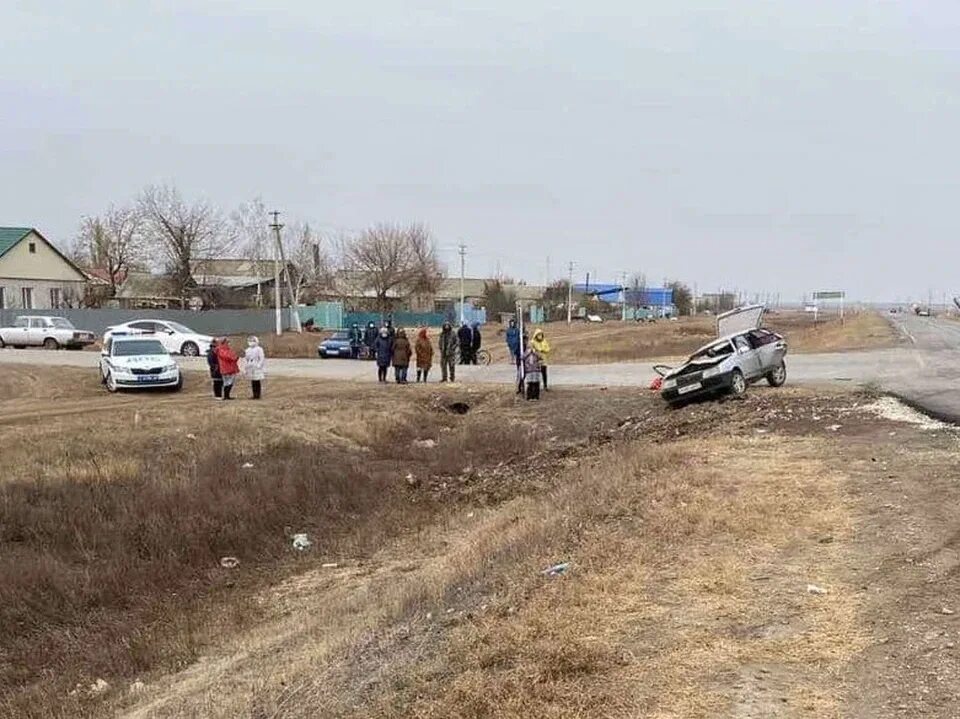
212	322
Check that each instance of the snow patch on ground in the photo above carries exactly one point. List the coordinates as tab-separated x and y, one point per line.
893	409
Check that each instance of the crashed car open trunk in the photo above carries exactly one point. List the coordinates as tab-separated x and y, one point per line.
743	353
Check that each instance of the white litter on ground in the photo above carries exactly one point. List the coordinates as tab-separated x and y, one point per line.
893	409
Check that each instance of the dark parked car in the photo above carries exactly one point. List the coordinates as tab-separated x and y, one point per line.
337	345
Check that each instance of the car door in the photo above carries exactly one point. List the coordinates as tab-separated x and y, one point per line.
748	359
771	347
166	335
20	334
38	328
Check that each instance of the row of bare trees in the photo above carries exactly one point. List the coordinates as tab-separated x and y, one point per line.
162	232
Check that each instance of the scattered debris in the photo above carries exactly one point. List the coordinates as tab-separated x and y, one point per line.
229	562
99	687
556	570
426	443
329	565
814	589
137	687
947	611
247	465
191	435
412	481
834	427
893	409
301	542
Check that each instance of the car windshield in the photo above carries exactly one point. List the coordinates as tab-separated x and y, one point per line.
341	336
61	324
129	348
182	329
721	349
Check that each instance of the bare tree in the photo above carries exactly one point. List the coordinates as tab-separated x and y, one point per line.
251	225
113	242
395	259
182	232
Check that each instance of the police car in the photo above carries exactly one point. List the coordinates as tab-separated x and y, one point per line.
137	362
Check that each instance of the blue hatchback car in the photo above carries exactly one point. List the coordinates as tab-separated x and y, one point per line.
337	345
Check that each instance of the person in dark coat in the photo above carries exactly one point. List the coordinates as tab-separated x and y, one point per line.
402	351
214	364
391	330
383	349
356	339
370	339
465	338
513	341
448	353
476	343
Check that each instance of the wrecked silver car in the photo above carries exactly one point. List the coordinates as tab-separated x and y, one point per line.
743	353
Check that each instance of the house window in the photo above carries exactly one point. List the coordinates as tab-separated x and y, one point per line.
56	298
33	248
26	297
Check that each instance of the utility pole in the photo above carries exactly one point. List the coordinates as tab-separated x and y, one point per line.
276	227
463	266
546	281
570	296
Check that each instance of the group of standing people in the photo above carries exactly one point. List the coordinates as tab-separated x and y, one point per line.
225	367
470	342
392	348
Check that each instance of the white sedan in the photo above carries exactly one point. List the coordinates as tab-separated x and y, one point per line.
175	337
137	362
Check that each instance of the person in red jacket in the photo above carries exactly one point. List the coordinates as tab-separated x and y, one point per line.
229	366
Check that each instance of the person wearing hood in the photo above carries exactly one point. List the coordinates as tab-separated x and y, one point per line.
391	330
513	341
370	339
228	362
532	373
214	366
449	344
465	338
254	365
476	343
401	356
424	352
356	339
383	351
542	347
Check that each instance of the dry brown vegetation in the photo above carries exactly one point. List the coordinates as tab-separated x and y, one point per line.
691	537
583	343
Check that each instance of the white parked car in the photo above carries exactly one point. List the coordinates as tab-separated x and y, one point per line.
137	362
176	338
48	332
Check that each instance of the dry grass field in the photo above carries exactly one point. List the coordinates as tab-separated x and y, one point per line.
584	343
691	538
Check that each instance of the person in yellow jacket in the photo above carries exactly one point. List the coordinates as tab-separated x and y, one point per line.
541	346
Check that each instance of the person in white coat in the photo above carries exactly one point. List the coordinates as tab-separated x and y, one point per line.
255	365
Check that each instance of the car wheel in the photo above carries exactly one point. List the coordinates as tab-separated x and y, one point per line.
2	345
190	349
777	376
110	382
179	385
51	344
738	385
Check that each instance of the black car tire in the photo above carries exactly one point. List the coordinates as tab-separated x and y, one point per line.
778	376
190	349
51	344
738	384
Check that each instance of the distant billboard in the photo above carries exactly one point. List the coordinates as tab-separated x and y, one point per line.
829	295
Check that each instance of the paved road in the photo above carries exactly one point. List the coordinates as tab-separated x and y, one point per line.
925	370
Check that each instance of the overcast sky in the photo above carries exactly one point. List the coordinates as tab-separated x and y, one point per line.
791	146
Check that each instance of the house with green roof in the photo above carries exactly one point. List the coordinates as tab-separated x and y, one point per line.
34	274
